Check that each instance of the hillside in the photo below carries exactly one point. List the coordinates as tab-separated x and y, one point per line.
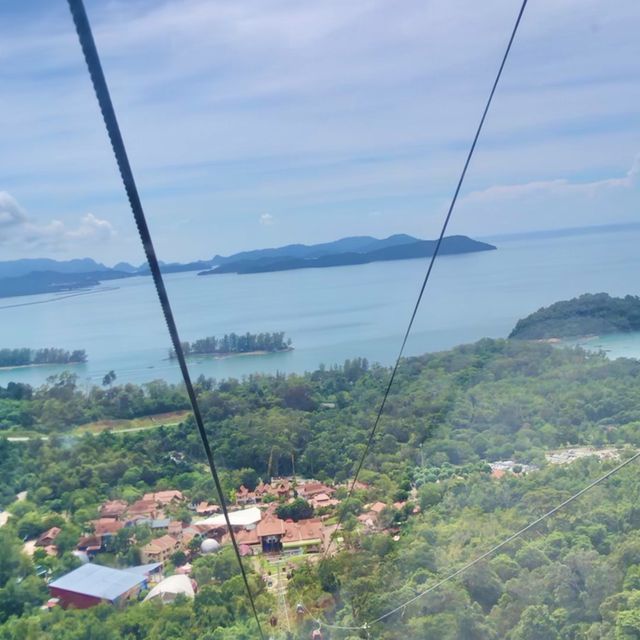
589	314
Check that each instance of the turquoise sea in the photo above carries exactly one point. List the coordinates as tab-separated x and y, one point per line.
330	314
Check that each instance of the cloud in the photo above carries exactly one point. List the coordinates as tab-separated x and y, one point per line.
266	219
19	230
556	187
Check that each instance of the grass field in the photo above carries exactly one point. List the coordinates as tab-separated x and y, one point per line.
170	419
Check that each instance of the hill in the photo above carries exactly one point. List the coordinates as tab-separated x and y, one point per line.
372	250
589	314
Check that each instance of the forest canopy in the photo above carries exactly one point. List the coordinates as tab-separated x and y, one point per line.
588	314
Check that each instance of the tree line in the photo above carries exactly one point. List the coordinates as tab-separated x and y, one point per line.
25	356
234	343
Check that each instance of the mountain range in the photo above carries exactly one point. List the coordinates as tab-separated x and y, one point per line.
44	275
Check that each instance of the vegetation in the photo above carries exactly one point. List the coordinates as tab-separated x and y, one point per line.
589	314
234	343
576	577
24	357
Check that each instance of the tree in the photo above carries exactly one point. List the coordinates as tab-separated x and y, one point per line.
299	509
536	623
109	378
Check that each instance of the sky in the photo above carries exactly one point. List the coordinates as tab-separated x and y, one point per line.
258	123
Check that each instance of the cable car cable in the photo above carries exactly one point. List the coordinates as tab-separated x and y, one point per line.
436	250
92	58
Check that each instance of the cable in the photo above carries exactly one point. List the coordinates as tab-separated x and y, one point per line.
85	35
511	538
430	267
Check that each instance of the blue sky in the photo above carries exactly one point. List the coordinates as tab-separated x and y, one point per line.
257	123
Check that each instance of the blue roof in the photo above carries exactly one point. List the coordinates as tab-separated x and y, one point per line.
98	581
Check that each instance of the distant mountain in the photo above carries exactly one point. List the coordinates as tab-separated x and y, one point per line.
126	267
15	268
399	247
355	244
44	275
54	282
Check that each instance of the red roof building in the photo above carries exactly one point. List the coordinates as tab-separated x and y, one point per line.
47	538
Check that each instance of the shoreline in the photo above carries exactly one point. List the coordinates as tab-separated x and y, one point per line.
39	364
231	354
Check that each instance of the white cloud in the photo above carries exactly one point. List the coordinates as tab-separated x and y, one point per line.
19	230
266	219
556	187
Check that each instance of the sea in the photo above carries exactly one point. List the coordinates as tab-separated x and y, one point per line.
330	314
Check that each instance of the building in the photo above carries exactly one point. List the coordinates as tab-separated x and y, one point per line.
170	588
240	518
275	535
48	538
206	509
311	489
164	498
144	508
113	509
91	584
159	550
270	532
307	535
323	500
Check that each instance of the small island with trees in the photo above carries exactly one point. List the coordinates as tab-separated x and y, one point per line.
235	344
586	315
25	357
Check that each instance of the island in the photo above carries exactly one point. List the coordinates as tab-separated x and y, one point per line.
26	357
588	314
345	252
234	344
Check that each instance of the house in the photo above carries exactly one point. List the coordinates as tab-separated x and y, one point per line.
159	550
323	500
91	584
206	509
47	538
244	496
89	545
145	508
113	509
174	529
106	527
279	535
164	498
312	489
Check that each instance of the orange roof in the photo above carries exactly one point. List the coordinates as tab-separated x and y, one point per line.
270	526
498	473
243	537
142	507
310	529
49	534
161	544
378	507
106	525
164	497
314	488
113	508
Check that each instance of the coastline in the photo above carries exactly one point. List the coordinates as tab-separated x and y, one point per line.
231	354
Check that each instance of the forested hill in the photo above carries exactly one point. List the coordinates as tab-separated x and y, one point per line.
588	314
575	577
393	248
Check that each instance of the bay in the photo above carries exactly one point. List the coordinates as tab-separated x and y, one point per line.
330	314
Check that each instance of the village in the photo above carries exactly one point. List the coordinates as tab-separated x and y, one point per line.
275	524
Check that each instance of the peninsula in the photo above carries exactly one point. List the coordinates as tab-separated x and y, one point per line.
588	314
345	252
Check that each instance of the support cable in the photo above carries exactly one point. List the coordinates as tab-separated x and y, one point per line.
92	58
430	269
